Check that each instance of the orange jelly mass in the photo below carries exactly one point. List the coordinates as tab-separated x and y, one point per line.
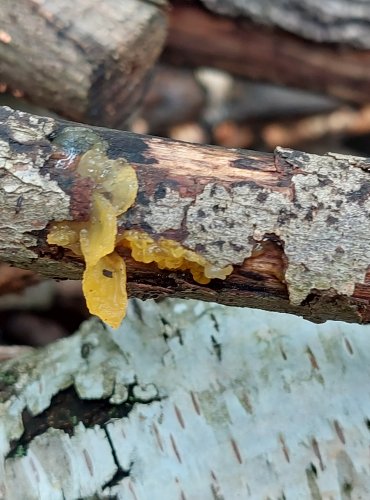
104	278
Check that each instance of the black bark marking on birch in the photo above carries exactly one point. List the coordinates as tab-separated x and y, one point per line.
66	410
311	476
120	472
117	477
348	346
217	347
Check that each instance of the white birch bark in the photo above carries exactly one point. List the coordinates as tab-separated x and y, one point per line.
222	403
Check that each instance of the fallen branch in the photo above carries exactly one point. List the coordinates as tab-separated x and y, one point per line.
293	226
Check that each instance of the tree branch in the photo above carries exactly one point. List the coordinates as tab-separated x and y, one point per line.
294	226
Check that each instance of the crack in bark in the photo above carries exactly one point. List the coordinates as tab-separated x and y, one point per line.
67	409
120	472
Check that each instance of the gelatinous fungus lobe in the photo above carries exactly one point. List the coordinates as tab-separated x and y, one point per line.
169	254
114	190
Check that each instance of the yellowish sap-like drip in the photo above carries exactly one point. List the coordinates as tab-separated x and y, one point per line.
104	279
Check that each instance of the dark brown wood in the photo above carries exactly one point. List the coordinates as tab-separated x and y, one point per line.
198	37
293	225
86	60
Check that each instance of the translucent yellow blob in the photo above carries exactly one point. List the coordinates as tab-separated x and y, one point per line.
115	177
104	287
169	254
66	234
98	237
114	192
104	279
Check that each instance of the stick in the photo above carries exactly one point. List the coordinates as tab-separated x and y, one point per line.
293	226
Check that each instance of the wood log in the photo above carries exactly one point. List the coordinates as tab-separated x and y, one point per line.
293	225
198	37
335	21
85	60
260	405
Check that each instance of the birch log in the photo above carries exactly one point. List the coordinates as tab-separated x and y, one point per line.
190	400
293	225
86	60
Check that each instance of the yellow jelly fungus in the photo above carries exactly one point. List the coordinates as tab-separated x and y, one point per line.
115	190
98	237
104	286
104	279
66	234
169	254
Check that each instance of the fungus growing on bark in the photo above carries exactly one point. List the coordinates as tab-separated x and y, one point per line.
114	191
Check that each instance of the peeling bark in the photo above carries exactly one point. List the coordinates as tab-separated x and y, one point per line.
183	386
293	225
198	37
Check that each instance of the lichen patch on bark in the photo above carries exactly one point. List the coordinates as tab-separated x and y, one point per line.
327	215
164	214
330	209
